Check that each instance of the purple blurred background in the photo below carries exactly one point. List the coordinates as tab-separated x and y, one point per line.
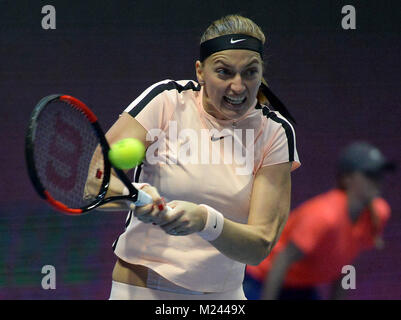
341	86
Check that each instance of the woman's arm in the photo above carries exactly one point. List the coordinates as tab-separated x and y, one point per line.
125	127
270	204
248	243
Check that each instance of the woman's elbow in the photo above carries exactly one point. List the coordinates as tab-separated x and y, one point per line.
262	252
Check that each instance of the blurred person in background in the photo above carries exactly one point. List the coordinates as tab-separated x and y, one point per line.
327	232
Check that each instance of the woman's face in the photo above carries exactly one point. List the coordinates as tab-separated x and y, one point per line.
231	82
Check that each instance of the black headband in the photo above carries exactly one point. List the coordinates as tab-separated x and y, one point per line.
228	42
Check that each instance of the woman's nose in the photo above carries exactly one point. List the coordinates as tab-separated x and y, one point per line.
237	85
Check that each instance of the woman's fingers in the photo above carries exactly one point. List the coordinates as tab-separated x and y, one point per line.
150	212
173	204
143	212
158	201
176	222
152	191
176	225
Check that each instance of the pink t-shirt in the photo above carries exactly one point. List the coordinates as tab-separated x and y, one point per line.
200	159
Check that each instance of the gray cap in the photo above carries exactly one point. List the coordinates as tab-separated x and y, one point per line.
363	157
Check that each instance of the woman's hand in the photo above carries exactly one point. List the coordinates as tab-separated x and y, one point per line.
151	213
185	218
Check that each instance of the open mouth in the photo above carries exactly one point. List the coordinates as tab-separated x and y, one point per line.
234	101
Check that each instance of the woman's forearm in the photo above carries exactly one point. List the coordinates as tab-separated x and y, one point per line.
270	205
269	208
116	188
243	243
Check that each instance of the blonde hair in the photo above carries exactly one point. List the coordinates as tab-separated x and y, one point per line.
236	24
233	24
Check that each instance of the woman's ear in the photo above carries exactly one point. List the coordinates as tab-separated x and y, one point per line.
199	72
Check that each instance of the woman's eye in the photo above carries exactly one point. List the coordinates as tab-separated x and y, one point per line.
223	72
251	72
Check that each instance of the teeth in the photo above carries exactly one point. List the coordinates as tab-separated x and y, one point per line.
235	100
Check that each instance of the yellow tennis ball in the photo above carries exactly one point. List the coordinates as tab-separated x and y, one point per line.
127	153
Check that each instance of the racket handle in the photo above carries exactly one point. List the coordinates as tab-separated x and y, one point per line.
144	199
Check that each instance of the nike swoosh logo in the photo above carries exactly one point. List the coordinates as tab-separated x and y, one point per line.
215	225
235	41
213	138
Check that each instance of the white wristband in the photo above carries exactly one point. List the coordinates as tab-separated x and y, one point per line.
214	224
138	186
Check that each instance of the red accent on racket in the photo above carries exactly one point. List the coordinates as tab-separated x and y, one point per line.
67	157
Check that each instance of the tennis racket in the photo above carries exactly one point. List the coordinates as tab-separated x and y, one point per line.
63	157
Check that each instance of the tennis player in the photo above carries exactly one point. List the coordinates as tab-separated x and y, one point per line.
327	232
225	214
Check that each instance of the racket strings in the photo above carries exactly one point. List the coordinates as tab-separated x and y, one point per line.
65	158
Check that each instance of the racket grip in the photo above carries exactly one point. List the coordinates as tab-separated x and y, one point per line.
144	199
